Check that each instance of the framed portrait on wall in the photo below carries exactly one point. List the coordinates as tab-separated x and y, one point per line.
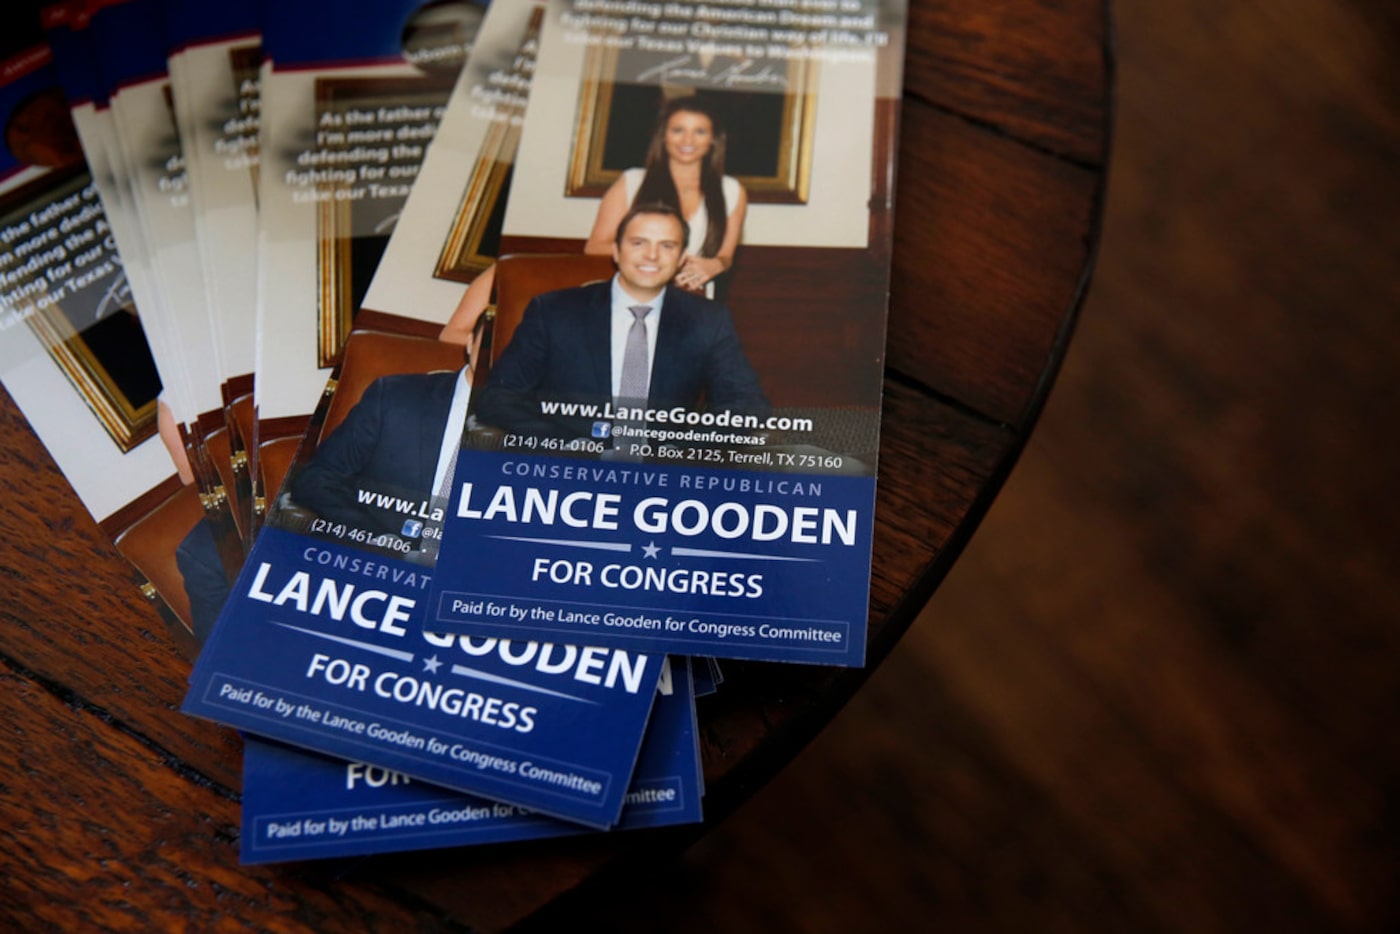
474	239
353	230
768	111
83	316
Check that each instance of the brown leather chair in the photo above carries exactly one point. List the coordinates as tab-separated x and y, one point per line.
241	415
372	354
149	543
522	276
274	460
219	445
244	419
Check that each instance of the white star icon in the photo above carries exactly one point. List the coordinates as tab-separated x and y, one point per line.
650	550
431	664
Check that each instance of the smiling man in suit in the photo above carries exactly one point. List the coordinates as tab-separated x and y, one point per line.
634	341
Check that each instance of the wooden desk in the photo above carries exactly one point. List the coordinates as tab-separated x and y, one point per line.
117	810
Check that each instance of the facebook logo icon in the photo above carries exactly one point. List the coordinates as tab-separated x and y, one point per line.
602	429
412	528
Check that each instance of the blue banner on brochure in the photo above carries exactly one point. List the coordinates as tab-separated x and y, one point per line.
302	806
322	646
657	558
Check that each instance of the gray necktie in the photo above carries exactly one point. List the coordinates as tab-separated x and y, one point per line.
636	368
636	374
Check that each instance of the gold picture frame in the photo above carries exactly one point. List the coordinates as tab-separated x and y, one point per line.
335	299
126	422
352	231
470	244
106	359
770	132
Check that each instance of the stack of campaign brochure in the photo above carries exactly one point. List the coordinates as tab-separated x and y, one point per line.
466	382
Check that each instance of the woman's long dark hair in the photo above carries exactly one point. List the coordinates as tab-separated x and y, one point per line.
657	184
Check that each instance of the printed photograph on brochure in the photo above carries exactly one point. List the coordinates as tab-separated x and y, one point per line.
676	448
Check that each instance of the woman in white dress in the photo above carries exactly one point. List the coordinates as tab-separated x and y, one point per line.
685	169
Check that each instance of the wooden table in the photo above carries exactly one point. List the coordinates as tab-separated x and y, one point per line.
117	810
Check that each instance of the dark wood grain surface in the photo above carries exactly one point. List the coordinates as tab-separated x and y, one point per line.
121	812
1158	690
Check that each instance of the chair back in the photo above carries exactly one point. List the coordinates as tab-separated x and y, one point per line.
244	419
522	276
218	444
274	460
149	543
372	354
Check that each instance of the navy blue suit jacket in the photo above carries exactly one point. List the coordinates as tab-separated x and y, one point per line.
388	443
202	570
561	351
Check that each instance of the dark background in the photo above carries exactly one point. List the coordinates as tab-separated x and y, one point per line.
1160	689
